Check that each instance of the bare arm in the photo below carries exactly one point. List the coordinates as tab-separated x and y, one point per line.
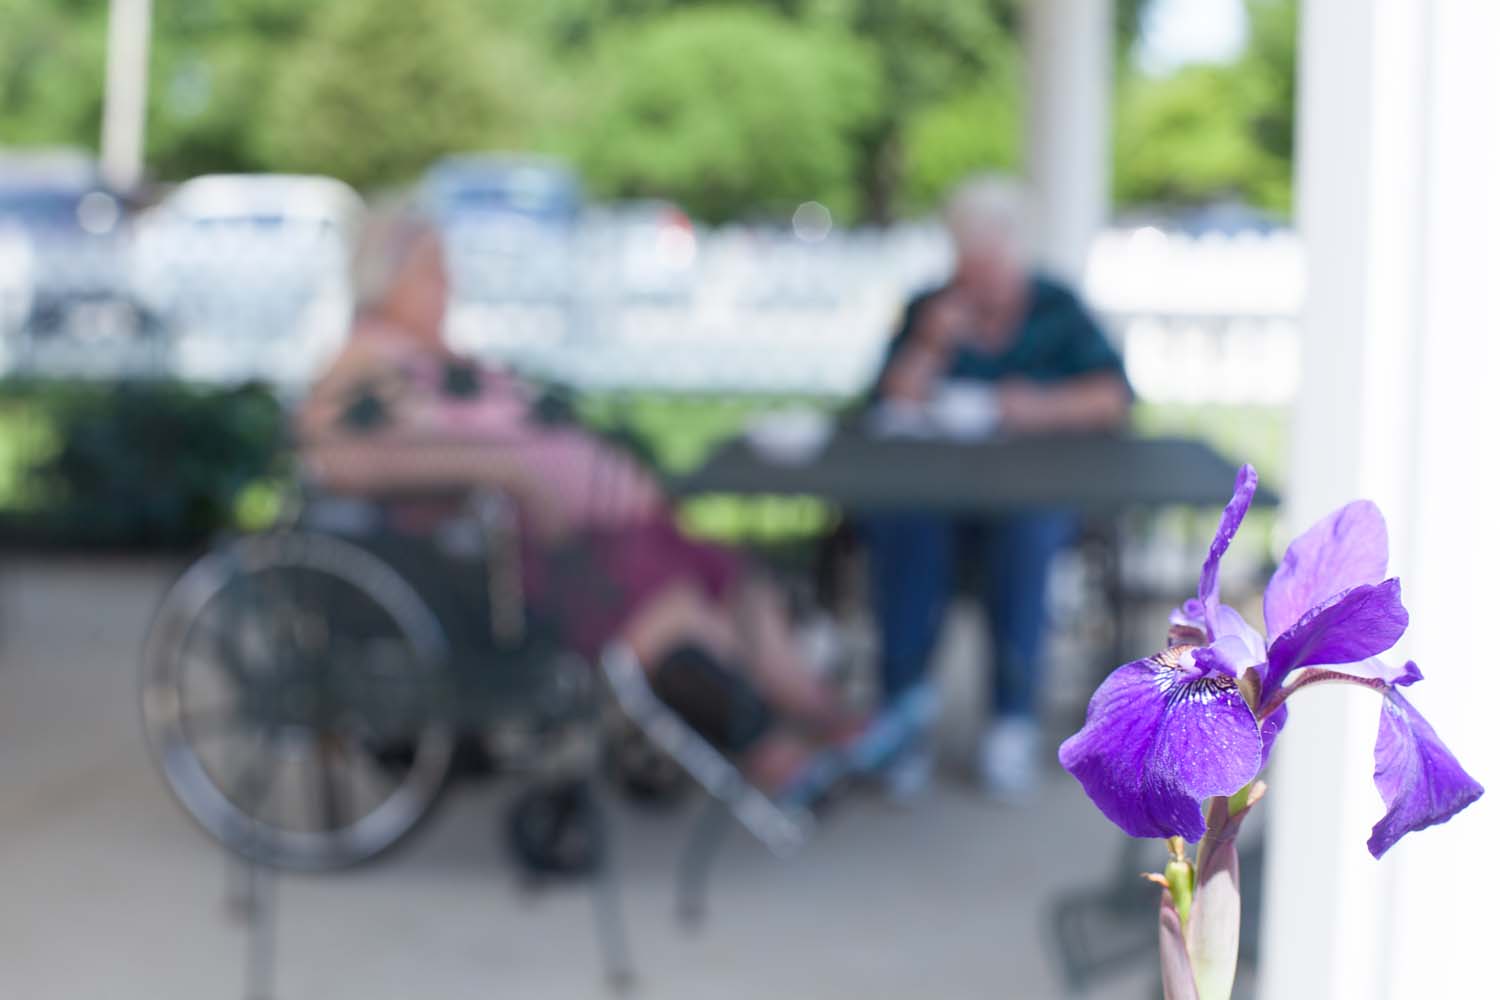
1100	401
923	360
397	462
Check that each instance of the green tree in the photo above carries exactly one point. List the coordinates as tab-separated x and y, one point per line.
928	53
1271	57
1214	131
211	65
377	89
730	111
978	130
51	72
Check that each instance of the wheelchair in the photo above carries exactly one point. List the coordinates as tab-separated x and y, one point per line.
307	691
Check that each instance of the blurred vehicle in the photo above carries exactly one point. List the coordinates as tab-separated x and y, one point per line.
650	249
510	224
251	267
64	246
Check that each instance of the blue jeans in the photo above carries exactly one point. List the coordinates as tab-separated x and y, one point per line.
912	560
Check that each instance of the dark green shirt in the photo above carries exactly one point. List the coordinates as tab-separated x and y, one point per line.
1057	340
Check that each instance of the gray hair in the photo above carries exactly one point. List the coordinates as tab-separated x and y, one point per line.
387	238
988	207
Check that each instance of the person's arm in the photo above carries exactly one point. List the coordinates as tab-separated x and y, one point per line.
923	348
327	402
1098	401
397	461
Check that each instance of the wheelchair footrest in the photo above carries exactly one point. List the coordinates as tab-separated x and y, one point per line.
782	831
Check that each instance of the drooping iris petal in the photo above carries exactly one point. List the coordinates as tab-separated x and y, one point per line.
1343	550
1270	728
1229	523
1154	745
1420	781
1376	669
1361	623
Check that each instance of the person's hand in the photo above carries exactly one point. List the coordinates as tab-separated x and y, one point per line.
1024	405
946	320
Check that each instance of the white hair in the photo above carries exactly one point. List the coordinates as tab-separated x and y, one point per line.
387	239
986	208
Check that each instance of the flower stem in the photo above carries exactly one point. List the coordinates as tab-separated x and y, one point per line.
1179	878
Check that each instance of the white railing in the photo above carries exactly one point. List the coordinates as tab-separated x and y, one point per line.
1198	318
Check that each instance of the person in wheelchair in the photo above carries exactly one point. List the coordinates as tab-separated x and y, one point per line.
399	411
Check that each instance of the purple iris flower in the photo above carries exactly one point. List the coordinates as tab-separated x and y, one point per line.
1198	719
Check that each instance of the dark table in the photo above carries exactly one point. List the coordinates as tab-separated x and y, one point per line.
1090	473
1097	475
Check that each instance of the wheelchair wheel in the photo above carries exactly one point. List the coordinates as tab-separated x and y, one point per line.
278	675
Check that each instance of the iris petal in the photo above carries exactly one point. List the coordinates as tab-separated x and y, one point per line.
1376	669
1270	728
1361	623
1229	523
1227	627
1420	781
1343	550
1155	745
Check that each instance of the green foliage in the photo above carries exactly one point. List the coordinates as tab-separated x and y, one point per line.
211	65
51	72
377	89
730	111
1188	138
1271	58
728	106
1214	131
131	463
928	53
979	130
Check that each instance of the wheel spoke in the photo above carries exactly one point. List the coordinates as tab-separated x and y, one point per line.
334	805
251	784
224	639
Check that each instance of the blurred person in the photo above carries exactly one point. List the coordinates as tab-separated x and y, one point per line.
1039	364
398	410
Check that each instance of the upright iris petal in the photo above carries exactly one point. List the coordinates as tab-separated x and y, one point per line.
1229	523
1419	779
1158	739
1342	551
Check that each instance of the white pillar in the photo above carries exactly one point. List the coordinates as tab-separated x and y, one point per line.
1070	56
122	144
1396	188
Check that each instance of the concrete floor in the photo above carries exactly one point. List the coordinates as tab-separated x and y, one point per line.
108	890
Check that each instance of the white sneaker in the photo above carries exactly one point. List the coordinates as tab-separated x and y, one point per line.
1007	759
909	776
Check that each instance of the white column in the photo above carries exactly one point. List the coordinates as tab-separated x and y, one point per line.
1070	56
122	144
1397	202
